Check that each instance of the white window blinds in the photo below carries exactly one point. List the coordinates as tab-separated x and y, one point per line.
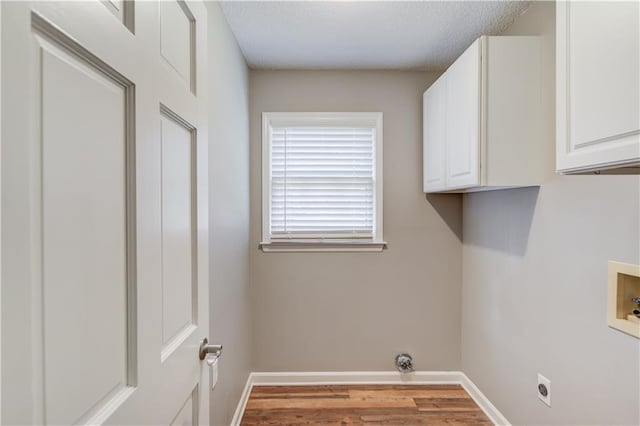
323	182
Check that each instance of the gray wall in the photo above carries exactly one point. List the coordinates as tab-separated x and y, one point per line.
355	311
532	264
534	285
229	214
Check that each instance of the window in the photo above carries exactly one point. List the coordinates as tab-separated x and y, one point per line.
322	182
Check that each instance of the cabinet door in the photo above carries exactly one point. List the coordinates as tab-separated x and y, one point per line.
598	85
434	122
463	120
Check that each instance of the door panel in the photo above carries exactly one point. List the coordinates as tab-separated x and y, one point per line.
595	28
188	414
84	236
463	118
104	267
176	40
178	232
598	63
435	135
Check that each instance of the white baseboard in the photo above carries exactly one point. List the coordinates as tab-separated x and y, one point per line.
368	377
483	402
355	377
242	403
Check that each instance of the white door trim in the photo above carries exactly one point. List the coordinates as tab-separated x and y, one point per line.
368	377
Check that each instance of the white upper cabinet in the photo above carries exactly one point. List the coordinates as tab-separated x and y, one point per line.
598	85
434	121
463	119
482	119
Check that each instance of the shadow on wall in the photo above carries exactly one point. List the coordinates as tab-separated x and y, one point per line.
506	229
449	209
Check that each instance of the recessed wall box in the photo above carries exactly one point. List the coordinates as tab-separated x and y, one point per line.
624	287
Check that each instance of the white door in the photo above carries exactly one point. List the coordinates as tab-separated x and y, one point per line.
598	84
463	120
104	213
434	144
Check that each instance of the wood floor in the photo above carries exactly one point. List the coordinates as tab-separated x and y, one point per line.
362	404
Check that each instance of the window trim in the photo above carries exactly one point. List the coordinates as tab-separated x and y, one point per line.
270	119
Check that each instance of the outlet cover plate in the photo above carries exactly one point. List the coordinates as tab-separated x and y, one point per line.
547	384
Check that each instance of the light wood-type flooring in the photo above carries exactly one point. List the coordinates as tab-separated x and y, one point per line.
362	404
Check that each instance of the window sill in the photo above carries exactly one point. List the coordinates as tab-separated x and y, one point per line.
321	246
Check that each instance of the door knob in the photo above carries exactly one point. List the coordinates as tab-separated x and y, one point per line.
209	352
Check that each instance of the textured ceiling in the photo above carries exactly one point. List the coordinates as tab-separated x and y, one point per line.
363	34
